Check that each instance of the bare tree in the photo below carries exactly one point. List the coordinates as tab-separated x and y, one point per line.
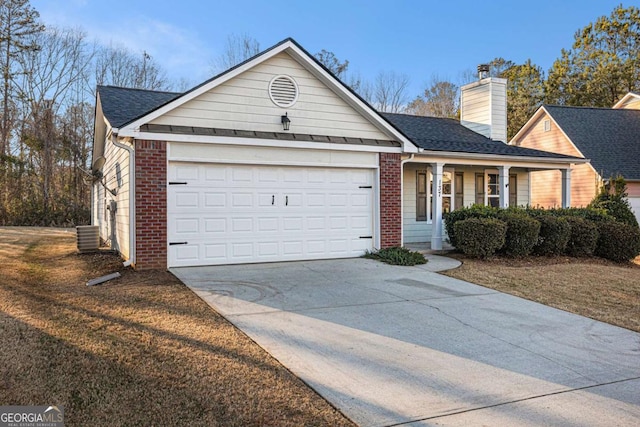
440	99
118	66
333	64
389	92
237	49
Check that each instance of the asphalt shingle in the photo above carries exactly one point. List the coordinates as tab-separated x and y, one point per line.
123	105
609	137
440	134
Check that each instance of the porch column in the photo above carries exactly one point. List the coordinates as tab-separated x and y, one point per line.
436	218
566	188
504	186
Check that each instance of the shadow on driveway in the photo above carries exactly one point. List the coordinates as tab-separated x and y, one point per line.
390	345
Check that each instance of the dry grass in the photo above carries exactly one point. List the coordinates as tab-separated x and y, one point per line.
590	287
140	350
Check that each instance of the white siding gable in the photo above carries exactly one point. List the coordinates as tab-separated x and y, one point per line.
243	103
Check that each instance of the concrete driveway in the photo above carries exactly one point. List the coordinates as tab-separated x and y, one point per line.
404	345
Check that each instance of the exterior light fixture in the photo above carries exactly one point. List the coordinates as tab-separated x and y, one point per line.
285	122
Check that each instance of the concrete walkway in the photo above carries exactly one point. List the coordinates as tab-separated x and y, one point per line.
406	346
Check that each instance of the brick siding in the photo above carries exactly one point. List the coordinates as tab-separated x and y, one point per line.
151	204
390	200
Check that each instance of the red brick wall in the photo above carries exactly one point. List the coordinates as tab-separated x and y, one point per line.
390	200
151	204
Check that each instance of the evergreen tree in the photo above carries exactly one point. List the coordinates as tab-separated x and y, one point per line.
603	64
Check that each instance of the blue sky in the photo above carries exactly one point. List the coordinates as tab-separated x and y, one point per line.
418	38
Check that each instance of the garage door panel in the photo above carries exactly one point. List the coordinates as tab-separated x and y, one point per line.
242	174
238	214
241	225
360	200
214	253
189	200
316	223
215	200
215	225
186	172
186	253
268	225
187	226
293	224
212	175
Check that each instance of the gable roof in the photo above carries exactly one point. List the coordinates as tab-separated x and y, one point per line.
609	137
303	57
121	105
629	96
440	134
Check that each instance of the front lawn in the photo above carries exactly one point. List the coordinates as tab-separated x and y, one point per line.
140	350
591	287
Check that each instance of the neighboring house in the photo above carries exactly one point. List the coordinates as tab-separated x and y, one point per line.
276	159
609	137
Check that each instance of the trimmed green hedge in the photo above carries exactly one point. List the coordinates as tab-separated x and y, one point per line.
583	237
562	230
618	241
480	237
475	211
522	234
554	235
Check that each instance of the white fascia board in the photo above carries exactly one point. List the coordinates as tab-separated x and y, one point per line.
624	99
534	119
129	129
493	160
539	112
234	140
351	99
302	58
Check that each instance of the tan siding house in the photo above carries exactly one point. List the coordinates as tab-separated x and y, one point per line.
609	137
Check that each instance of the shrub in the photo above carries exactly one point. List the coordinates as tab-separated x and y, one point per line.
397	256
480	237
554	235
613	199
475	211
583	237
522	234
591	214
618	241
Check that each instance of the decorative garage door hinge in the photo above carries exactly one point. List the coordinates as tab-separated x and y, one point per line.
177	183
178	243
366	237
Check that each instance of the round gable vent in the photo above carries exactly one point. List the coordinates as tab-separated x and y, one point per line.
283	91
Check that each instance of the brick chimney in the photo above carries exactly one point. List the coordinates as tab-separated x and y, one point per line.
483	105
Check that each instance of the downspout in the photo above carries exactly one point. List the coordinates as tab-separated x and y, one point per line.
132	200
402	162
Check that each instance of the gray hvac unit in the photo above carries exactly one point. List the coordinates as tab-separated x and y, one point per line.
88	238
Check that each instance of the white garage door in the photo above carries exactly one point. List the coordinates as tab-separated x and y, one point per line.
228	214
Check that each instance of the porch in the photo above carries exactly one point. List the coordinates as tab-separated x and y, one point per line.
433	186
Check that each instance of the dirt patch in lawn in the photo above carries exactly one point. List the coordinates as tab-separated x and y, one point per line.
591	287
139	350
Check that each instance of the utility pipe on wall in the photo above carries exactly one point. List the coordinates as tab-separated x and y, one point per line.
132	198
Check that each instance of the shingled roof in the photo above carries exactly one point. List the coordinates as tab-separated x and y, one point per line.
440	134
122	105
609	137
